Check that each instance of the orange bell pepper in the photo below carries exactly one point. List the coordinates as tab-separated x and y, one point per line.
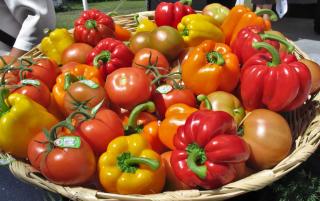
176	115
211	66
148	130
79	71
122	33
240	17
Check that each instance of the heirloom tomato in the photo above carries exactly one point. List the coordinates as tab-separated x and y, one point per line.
269	137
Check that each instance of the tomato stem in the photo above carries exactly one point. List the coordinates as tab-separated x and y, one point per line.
4	108
282	40
128	163
274	53
204	98
68	80
196	155
132	121
273	16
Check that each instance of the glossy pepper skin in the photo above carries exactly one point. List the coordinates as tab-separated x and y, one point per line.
54	44
196	28
129	166
207	148
80	71
20	120
240	17
268	82
176	115
242	45
170	14
149	130
210	67
145	25
109	55
93	26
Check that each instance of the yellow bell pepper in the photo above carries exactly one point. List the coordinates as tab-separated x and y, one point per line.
145	25
54	44
129	166
20	120
196	28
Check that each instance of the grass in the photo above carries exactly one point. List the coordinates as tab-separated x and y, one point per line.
65	19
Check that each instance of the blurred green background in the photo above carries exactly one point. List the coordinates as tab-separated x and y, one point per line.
71	9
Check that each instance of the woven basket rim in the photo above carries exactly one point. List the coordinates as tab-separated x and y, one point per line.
306	144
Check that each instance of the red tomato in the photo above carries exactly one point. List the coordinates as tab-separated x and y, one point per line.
147	57
62	166
9	59
39	94
128	87
9	79
101	130
164	100
81	94
77	52
45	70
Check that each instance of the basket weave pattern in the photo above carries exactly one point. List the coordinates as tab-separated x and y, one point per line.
304	123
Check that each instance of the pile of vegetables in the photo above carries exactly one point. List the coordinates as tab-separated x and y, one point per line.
188	101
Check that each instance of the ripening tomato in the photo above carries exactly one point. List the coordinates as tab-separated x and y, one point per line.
139	41
86	95
315	74
147	57
128	87
38	91
76	52
62	166
269	137
45	70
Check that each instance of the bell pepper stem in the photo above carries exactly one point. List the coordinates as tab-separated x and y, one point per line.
68	80
128	163
273	16
274	53
104	56
4	108
132	121
91	24
153	164
196	155
204	98
186	2
282	40
214	57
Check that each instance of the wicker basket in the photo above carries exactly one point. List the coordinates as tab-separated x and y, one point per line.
304	124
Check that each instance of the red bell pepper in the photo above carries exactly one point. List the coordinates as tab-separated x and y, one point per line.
268	82
170	14
92	26
242	45
207	148
109	55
